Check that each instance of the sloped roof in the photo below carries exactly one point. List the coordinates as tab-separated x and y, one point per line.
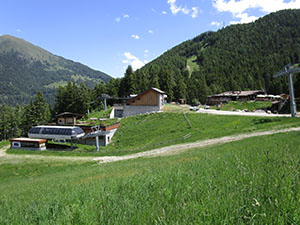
239	93
157	90
69	114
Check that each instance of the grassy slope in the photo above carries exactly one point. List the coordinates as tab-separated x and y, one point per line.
241	105
3	143
192	65
145	132
254	181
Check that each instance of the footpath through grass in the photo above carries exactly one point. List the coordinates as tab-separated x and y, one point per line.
254	181
150	131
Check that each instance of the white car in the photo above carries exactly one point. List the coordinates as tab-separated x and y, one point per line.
194	108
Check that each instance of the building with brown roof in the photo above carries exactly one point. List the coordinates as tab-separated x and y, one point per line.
234	96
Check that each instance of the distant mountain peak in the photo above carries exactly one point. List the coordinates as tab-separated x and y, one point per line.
26	68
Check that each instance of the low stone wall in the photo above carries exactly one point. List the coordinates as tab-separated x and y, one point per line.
130	110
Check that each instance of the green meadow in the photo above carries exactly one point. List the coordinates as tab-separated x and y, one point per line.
253	181
242	105
150	131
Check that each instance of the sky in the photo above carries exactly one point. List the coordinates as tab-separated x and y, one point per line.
109	35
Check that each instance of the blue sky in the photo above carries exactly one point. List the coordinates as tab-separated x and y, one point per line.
108	35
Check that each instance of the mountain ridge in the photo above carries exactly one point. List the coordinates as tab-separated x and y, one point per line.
236	57
26	68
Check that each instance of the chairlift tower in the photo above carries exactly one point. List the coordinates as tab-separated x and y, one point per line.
104	97
289	70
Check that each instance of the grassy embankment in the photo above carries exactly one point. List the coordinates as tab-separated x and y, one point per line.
242	105
93	118
4	143
145	132
254	181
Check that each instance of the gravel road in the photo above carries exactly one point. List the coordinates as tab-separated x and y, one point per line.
173	149
236	113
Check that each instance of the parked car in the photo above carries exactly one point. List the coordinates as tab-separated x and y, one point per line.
194	108
206	107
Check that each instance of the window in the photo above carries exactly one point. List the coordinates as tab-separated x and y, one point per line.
35	130
17	144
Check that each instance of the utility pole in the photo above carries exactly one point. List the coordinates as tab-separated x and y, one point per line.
289	70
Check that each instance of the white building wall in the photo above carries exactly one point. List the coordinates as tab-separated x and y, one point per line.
130	110
109	135
112	114
160	99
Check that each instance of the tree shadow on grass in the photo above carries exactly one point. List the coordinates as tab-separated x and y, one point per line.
266	120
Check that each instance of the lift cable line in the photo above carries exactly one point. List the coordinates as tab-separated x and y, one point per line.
289	70
106	96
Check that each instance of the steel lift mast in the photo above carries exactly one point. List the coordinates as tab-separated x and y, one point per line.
289	70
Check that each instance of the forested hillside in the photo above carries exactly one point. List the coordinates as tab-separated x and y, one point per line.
25	69
237	57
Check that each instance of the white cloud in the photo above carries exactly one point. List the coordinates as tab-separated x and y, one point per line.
19	30
195	12
176	9
146	53
133	61
150	31
238	8
244	18
135	36
125	16
215	23
164	12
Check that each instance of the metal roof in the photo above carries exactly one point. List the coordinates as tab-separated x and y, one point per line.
69	114
28	140
157	90
239	93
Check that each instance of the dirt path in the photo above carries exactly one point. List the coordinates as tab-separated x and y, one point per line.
181	147
152	153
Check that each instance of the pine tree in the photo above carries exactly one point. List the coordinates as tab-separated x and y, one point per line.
154	82
180	88
37	112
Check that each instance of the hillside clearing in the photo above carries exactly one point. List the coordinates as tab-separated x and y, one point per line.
192	65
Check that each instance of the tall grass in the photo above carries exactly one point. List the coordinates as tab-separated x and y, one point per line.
254	181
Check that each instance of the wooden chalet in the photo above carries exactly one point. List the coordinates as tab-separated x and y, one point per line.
150	97
150	100
67	118
234	96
